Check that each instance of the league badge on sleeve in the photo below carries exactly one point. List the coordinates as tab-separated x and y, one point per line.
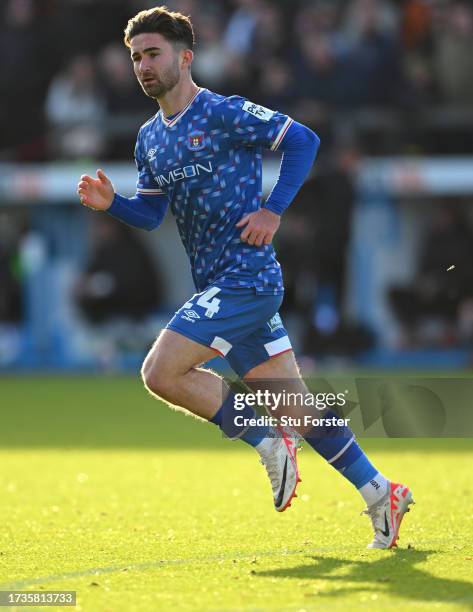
261	112
196	141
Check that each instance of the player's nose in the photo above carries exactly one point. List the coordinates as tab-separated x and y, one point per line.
144	66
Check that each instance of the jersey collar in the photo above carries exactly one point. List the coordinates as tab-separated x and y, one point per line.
175	119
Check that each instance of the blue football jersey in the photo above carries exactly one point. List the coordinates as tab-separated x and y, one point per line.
207	160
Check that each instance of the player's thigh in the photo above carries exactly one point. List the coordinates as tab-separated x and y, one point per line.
173	355
265	359
279	366
280	376
277	374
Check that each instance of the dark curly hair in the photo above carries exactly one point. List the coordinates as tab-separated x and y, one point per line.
175	27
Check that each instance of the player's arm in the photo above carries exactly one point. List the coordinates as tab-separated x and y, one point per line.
299	145
145	210
253	125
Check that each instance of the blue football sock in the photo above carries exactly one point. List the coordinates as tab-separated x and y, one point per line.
337	445
225	419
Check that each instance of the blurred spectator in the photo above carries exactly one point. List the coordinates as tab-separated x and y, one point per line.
453	55
240	30
362	16
417	38
120	281
271	37
334	192
316	60
125	103
417	25
119	86
428	308
313	248
210	61
22	78
10	295
84	26
374	55
316	18
74	95
75	106
321	73
277	86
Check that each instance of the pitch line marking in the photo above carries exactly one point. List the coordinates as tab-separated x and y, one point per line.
21	584
98	571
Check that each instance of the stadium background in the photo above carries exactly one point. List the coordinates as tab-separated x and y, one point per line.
366	247
107	492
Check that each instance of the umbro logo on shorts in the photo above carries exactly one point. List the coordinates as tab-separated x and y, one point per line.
190	315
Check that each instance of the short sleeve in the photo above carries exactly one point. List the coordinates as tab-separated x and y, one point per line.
251	124
145	185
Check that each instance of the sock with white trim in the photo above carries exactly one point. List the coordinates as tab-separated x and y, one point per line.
337	445
374	489
234	423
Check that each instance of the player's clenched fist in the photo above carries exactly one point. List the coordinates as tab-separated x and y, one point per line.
260	227
96	193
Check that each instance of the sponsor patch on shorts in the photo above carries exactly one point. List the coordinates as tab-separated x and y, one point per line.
275	323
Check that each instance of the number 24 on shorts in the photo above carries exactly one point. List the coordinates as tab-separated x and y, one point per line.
208	301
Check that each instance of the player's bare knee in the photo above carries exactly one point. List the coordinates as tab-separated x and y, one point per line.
156	379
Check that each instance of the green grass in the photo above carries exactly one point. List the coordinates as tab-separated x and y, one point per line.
108	493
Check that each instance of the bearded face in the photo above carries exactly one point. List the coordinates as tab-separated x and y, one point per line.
156	63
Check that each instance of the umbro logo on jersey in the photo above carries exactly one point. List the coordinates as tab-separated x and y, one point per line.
151	155
190	315
196	141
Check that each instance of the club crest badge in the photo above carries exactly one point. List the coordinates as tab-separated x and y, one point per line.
196	141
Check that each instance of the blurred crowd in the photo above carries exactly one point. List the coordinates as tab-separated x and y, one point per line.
400	68
371	77
436	307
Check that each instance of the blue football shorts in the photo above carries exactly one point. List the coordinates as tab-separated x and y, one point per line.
241	325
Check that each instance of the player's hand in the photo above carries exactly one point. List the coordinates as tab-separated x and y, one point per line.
260	227
96	193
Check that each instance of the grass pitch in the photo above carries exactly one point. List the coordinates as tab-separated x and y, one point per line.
108	493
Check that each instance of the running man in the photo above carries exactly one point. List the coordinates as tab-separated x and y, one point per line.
201	155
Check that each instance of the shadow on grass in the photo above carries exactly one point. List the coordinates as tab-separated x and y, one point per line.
394	575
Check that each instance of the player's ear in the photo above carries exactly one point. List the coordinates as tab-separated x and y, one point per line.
187	56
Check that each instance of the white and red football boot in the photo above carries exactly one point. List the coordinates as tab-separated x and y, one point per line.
387	514
280	461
